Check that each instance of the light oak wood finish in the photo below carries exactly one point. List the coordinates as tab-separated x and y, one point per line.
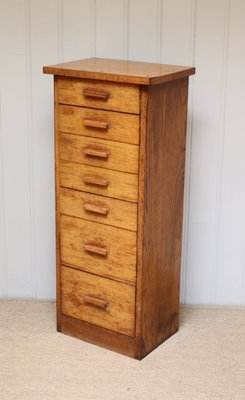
142	73
98	248
97	300
163	187
120	224
115	341
100	153
121	214
96	123
99	124
120	97
96	208
120	185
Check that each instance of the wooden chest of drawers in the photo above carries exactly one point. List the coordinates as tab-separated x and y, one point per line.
120	154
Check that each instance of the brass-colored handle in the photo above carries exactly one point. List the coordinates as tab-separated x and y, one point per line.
95	248
96	208
96	151
96	93
95	301
96	123
95	180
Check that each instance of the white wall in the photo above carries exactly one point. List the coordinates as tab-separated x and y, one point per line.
206	33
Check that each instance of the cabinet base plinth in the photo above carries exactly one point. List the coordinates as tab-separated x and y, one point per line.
117	342
99	336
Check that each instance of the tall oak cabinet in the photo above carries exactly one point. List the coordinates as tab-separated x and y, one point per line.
120	134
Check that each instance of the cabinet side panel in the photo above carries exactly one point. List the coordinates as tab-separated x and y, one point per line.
163	211
57	200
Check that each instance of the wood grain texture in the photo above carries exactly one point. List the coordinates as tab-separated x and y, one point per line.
106	95
96	302
121	214
119	261
120	298
98	152
121	185
96	123
119	71
163	212
122	127
96	208
99	336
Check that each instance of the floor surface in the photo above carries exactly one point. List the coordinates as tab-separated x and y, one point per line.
204	360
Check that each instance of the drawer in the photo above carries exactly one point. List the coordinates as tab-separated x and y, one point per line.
99	94
100	153
105	182
92	207
98	248
97	300
98	123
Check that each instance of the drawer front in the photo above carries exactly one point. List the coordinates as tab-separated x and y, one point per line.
97	208
98	248
97	300
97	123
99	94
105	182
100	153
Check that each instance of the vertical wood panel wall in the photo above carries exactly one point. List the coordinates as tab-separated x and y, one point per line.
208	34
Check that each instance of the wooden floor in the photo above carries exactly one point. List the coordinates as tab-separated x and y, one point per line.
205	360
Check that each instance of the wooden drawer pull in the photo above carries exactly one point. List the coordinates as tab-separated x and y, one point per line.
100	94
96	123
95	301
96	208
95	180
96	151
94	248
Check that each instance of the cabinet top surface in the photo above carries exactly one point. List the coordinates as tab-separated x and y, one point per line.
136	72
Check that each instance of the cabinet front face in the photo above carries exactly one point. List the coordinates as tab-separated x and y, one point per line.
97	182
